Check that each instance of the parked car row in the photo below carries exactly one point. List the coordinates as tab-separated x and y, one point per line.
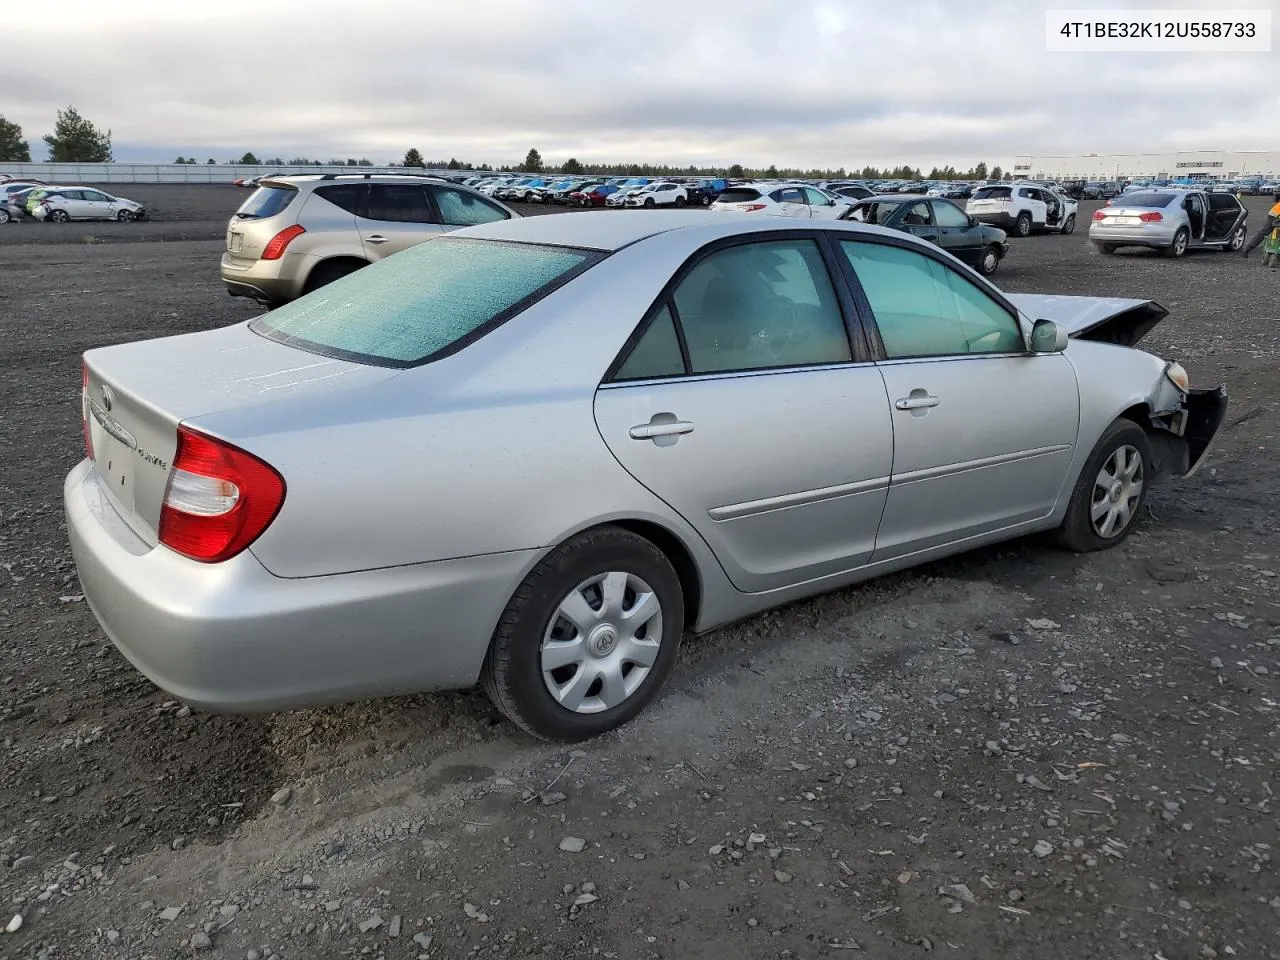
26	199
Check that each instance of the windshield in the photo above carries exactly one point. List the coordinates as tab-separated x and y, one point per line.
265	202
1151	199
434	297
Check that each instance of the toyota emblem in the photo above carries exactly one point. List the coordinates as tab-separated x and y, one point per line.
107	397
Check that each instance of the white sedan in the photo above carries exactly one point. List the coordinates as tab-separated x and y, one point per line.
788	200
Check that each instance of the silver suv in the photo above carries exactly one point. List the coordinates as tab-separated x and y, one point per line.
297	233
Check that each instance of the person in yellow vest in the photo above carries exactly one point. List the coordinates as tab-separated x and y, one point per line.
1272	222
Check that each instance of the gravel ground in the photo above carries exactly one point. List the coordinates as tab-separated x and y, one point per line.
1016	753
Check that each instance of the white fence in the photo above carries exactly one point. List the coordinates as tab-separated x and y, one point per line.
170	172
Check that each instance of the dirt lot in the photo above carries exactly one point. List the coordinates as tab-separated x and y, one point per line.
1017	753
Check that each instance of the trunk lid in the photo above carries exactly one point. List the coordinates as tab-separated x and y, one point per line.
137	394
271	208
1115	320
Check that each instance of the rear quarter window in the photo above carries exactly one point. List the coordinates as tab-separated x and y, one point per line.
266	202
346	196
425	302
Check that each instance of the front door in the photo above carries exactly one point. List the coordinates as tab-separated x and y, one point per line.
917	220
395	216
772	441
954	232
791	202
983	430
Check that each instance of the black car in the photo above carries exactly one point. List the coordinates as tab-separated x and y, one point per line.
938	221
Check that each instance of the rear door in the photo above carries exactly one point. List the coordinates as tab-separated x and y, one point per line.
395	216
791	203
744	408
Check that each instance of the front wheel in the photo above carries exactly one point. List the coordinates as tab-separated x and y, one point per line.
125	216
1110	492
588	638
649	201
989	261
1022	226
1069	225
1179	245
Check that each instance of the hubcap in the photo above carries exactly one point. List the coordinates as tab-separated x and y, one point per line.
601	643
1116	492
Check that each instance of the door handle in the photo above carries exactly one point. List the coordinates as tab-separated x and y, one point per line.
376	238
651	431
916	402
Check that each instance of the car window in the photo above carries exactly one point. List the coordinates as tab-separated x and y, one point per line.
992	193
788	195
925	309
656	353
266	202
918	215
739	195
1146	199
949	215
95	196
397	203
761	305
461	208
405	309
816	198
346	196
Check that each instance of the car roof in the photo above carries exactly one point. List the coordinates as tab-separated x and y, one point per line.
602	230
347	177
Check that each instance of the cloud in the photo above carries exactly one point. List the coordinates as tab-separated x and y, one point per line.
791	82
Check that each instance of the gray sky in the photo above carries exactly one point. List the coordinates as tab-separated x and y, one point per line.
792	82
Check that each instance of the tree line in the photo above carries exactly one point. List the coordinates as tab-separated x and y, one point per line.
76	140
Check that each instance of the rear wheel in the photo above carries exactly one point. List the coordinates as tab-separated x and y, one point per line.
989	261
1107	248
1236	243
588	638
1179	245
1069	225
1022	226
4	215
1111	490
706	201
326	273
59	216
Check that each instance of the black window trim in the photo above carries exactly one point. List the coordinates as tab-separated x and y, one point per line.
593	256
859	346
879	353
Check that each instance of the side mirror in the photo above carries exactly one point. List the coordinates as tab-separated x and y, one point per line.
1048	337
973	221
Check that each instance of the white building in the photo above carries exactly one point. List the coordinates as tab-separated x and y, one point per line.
1198	164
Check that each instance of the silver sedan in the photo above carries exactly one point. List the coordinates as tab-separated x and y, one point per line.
536	453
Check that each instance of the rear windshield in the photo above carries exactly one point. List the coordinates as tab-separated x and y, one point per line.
738	195
1148	199
266	202
992	193
433	298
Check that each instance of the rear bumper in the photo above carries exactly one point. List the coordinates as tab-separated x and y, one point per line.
1003	220
267	281
1131	236
232	637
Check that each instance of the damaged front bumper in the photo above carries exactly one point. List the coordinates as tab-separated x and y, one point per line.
1184	433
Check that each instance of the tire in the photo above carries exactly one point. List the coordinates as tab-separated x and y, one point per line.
1236	243
513	673
681	201
989	261
1179	246
59	216
4	215
1022	226
1069	225
326	273
125	216
1081	531
706	201
649	202
1106	248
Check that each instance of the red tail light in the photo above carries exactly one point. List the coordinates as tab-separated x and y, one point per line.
1098	215
1150	217
753	207
275	247
219	498
84	409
